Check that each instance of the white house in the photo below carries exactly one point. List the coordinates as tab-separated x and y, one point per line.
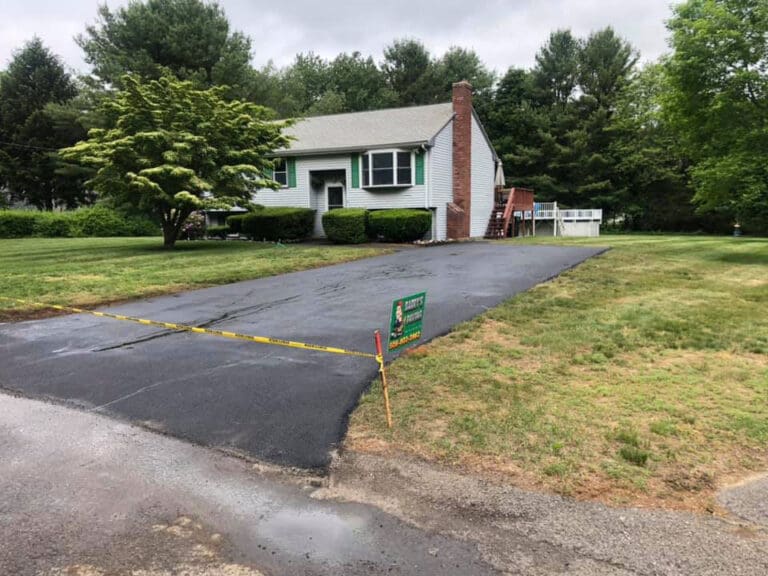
435	157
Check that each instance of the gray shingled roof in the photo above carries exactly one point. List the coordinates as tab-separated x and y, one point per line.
359	131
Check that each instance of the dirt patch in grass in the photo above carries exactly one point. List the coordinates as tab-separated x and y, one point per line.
639	378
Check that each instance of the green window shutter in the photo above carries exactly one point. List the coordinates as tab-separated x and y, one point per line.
420	168
355	171
291	172
269	173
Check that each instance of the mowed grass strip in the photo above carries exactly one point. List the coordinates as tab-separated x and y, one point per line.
640	377
95	271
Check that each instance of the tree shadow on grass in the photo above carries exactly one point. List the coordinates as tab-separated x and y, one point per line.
745	258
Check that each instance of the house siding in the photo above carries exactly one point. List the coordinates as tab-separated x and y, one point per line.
483	173
439	176
304	196
382	198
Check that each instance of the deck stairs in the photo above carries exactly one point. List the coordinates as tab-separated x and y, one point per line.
497	226
507	203
560	225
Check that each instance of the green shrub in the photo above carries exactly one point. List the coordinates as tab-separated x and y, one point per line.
400	225
142	226
17	224
235	223
279	223
99	221
346	225
217	232
53	225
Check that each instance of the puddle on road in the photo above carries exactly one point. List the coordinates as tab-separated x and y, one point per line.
322	535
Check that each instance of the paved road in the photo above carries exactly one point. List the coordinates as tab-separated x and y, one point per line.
84	495
281	405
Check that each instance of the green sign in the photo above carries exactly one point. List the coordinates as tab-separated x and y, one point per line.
407	317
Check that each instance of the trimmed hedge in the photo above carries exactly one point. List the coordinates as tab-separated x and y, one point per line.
235	223
279	223
346	225
217	232
399	225
14	224
97	221
53	225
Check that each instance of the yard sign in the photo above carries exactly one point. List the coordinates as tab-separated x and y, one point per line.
406	322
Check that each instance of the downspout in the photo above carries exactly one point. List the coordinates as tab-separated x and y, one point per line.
428	189
428	175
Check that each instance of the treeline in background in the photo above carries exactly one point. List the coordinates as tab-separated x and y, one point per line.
680	144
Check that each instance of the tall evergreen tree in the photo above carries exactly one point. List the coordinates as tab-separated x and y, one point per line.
411	73
557	67
189	38
553	124
605	64
32	130
362	83
462	64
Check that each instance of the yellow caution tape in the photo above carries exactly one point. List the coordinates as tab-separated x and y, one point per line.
198	330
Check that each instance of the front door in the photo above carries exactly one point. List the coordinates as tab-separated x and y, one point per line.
334	193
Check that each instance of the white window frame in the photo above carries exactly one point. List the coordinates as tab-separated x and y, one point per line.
281	165
395	182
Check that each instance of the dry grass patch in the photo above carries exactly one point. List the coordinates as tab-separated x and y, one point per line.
640	377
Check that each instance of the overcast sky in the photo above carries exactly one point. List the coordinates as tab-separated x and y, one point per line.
503	32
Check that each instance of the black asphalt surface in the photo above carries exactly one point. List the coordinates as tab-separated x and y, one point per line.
277	404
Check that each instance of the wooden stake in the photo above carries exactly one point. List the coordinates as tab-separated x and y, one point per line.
383	374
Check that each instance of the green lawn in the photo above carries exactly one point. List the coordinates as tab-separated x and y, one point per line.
639	377
94	271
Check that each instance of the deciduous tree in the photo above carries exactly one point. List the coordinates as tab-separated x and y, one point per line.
171	144
718	102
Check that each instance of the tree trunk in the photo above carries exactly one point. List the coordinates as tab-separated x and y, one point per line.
169	234
173	220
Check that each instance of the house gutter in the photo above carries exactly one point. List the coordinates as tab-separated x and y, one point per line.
348	149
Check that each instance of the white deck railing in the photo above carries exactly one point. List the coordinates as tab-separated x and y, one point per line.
550	211
589	214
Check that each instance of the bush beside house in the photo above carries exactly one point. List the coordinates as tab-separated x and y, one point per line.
400	225
235	223
219	232
85	222
346	225
279	223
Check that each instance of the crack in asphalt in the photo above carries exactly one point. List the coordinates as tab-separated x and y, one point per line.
153	336
226	316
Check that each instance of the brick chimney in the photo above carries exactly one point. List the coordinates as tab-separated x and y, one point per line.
459	209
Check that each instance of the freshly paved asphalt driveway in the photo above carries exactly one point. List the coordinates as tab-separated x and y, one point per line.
278	404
